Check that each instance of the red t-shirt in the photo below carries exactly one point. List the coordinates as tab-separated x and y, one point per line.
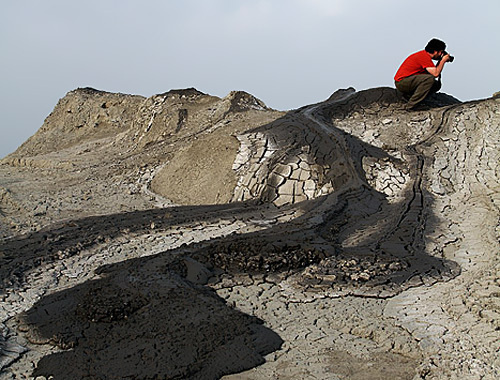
414	64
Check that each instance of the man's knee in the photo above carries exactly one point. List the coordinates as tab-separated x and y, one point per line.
428	80
426	84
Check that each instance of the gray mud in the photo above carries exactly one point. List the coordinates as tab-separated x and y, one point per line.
187	236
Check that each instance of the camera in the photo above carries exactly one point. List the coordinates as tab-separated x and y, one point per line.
451	57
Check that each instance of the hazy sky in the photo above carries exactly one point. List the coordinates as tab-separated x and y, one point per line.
288	53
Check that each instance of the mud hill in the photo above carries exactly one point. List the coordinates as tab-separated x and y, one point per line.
196	237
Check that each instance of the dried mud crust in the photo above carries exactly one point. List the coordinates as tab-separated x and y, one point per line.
347	197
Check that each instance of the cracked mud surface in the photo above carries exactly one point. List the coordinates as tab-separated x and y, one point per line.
187	236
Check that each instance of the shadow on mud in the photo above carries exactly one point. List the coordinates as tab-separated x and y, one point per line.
66	239
146	321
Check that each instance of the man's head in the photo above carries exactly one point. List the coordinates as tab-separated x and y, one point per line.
435	48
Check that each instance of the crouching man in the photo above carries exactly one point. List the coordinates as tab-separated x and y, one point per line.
418	76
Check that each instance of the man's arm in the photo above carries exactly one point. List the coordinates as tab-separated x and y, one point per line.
436	70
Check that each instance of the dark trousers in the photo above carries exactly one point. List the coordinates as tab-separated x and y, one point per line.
418	87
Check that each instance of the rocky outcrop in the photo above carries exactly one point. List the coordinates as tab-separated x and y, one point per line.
217	234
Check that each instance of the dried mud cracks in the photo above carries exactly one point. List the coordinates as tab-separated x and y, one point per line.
361	241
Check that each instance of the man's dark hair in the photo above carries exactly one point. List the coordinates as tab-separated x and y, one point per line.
435	45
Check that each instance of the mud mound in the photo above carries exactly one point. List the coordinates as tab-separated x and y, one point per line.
173	115
82	115
183	114
243	101
206	131
345	103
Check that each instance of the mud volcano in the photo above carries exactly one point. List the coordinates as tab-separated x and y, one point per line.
185	236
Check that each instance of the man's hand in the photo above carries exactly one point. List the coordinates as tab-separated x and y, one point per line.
445	58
